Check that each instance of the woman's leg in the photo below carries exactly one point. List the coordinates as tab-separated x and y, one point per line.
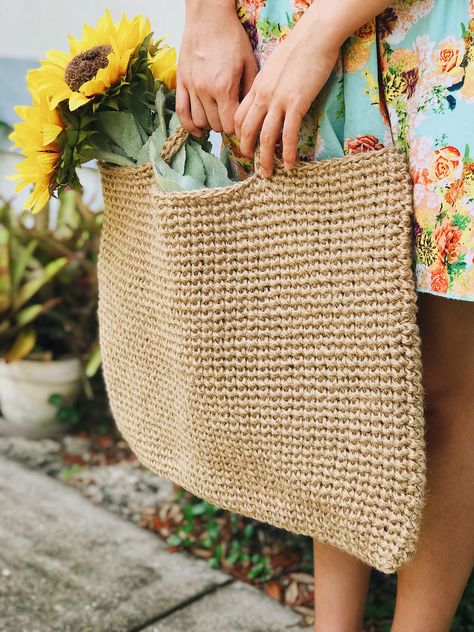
430	586
340	587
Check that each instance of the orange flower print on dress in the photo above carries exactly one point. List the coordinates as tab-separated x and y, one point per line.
447	164
440	280
455	192
448	238
362	143
448	58
302	5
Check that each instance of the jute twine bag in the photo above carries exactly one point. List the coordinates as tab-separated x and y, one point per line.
261	349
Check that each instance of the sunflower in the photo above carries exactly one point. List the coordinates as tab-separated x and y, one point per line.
94	63
163	66
37	137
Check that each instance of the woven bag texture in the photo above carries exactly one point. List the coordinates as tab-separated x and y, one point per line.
260	346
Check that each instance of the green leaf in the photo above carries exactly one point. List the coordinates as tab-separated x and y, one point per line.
213	563
233	559
5	272
178	161
104	150
29	314
56	399
143	155
157	140
455	269
121	127
461	221
29	289
174	540
22	260
160	102
174	123
216	173
94	361
168	179
23	345
194	166
167	186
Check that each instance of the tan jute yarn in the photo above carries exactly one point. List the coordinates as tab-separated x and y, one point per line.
260	345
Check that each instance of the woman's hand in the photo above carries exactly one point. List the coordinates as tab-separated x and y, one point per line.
281	94
216	66
293	76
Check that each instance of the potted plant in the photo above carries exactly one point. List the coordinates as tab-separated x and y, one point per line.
48	300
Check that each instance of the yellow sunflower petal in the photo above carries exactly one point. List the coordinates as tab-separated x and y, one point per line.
38	199
62	94
76	100
59	58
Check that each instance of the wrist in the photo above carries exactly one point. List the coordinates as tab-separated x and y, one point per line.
320	35
195	7
334	21
327	33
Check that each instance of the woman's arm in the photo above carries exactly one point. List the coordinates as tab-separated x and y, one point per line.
294	74
216	66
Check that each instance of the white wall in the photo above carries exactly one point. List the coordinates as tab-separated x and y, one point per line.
28	28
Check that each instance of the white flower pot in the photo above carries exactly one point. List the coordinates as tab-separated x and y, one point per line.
26	385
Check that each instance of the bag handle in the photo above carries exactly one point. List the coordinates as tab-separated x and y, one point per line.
173	144
178	138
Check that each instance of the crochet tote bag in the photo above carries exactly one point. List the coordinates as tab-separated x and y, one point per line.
260	345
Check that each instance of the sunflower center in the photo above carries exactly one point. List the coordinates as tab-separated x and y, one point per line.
84	67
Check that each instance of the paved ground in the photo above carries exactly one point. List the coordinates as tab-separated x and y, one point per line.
69	566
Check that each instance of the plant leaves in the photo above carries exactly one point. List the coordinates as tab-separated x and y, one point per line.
105	151
179	161
144	154
194	164
216	173
160	103
23	345
29	289
94	361
168	179
174	123
5	271
168	186
28	314
122	128
22	259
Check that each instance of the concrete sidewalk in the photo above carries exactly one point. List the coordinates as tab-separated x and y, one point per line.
69	566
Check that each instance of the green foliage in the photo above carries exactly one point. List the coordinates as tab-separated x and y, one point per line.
5	131
461	221
72	470
69	414
48	283
23	279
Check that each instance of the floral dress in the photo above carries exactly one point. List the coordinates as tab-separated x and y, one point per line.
406	78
